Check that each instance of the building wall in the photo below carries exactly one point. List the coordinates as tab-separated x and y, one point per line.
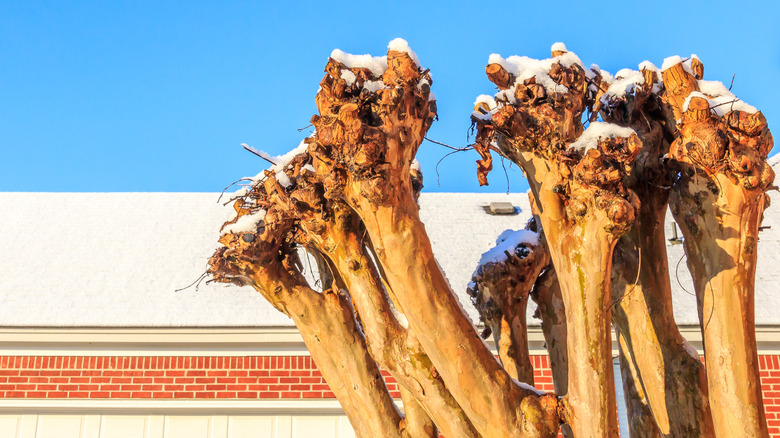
282	378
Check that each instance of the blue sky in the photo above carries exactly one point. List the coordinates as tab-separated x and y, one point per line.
158	96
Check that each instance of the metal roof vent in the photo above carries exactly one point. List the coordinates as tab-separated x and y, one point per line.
501	208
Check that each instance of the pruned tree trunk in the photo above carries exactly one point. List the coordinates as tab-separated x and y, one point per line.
391	343
328	329
583	209
596	256
718	203
500	288
664	381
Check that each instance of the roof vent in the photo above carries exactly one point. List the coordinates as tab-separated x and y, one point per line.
501	208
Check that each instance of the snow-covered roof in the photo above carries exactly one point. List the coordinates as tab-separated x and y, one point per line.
116	259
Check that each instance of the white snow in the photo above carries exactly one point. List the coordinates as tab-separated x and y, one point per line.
348	76
721	100
670	62
374	86
507	241
524	68
674	60
400	45
377	64
558	47
596	131
647	65
625	82
486	99
773	160
280	162
246	223
415	165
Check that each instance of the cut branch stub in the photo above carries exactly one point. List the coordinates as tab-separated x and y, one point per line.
364	130
499	289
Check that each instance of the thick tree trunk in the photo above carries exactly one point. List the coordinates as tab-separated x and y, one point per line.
582	255
394	346
663	379
366	148
640	418
495	405
718	203
721	232
667	369
547	296
328	328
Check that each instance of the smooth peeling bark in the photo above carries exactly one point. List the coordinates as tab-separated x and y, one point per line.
547	296
663	379
328	329
395	347
718	202
721	233
375	183
581	252
331	336
667	370
494	403
416	422
640	419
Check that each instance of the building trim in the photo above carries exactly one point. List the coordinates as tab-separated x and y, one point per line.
170	407
231	341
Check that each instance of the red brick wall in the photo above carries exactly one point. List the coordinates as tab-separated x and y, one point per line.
290	377
770	385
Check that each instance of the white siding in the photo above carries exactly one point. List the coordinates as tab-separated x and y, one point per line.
174	426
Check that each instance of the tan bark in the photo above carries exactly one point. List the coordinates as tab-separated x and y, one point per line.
640	418
500	291
583	209
664	381
328	328
547	296
366	148
718	203
395	347
416	422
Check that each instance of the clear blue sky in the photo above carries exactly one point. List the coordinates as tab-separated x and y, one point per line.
158	96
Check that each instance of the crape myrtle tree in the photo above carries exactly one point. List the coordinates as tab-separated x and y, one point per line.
605	157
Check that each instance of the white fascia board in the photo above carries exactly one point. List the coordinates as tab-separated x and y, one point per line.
251	341
170	407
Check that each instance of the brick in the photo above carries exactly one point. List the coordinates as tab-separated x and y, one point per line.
99	394
268	394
